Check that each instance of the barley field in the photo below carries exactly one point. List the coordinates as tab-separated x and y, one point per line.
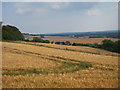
76	40
84	49
37	65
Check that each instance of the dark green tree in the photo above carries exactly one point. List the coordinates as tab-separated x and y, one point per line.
108	44
67	43
42	36
36	39
11	33
116	46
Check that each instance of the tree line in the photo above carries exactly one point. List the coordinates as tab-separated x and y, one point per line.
36	39
107	44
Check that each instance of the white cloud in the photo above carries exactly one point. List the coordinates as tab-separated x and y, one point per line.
25	10
93	12
33	10
56	6
19	10
20	4
24	7
59	5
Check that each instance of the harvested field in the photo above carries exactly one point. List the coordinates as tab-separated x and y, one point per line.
27	65
74	48
76	40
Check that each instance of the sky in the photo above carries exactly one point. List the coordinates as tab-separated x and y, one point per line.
59	17
0	11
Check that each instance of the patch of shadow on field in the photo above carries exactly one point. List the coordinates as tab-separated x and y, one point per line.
68	65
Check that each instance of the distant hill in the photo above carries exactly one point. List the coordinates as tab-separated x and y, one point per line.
11	33
95	34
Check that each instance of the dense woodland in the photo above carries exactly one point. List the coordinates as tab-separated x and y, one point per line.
11	33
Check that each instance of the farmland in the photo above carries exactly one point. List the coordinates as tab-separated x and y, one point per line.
77	40
38	65
62	44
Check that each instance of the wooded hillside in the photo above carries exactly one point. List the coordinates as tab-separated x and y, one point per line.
11	33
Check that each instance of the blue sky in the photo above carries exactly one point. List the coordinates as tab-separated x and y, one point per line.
56	17
0	11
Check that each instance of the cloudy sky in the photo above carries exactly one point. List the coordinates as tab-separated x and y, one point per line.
52	17
0	11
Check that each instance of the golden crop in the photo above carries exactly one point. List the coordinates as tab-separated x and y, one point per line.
75	48
32	66
76	40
